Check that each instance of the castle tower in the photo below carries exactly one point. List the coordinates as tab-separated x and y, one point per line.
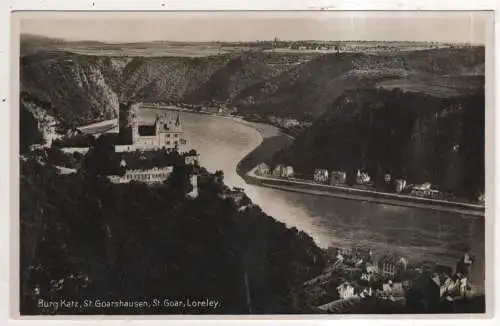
127	119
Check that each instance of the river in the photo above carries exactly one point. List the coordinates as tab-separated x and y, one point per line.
416	233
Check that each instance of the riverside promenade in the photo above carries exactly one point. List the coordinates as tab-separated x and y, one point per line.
309	187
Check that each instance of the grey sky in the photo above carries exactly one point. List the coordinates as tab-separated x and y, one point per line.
249	26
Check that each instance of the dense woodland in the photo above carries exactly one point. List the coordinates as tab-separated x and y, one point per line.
83	237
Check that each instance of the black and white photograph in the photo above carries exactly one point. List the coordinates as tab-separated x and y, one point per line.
252	163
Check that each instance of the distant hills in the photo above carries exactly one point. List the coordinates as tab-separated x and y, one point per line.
85	88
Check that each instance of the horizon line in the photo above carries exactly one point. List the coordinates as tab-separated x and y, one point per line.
248	41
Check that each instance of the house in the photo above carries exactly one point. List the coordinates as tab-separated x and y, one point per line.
399	185
362	178
391	290
371	268
320	175
366	292
290	123
346	290
289	172
389	266
280	171
191	158
337	177
262	169
424	190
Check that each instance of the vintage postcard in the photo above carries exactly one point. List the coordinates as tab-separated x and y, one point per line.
252	163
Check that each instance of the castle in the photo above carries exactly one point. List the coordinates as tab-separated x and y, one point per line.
164	133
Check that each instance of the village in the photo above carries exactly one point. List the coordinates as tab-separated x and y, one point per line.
358	274
363	181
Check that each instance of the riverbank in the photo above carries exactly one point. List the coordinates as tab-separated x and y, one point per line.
364	195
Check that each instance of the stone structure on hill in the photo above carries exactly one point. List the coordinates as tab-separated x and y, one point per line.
164	133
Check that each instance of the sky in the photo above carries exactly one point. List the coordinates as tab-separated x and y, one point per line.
454	26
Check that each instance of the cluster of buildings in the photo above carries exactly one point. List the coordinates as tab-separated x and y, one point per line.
279	171
335	177
164	135
286	123
391	278
140	143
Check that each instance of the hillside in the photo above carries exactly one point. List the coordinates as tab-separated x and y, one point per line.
408	134
83	237
309	89
303	86
74	88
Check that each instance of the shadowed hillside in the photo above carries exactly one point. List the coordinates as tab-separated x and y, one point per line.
84	238
412	135
74	87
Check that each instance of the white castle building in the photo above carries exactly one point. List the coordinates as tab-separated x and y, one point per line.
164	133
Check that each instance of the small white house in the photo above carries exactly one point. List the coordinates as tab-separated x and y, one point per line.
279	171
289	171
346	290
400	185
320	175
362	178
262	169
